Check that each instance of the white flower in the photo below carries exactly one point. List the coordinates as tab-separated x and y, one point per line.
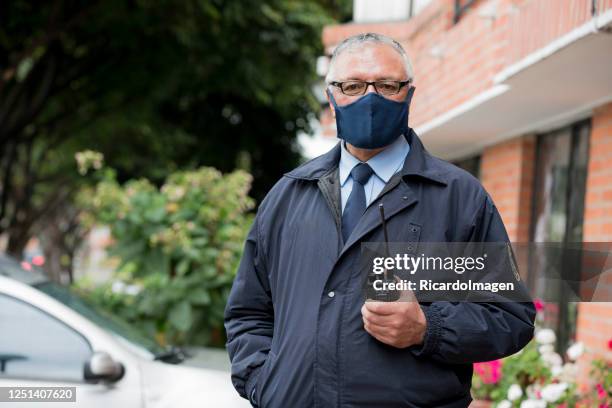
122	288
546	348
132	290
552	359
532	403
532	391
118	287
575	351
570	371
514	392
504	404
556	371
552	392
88	159
545	336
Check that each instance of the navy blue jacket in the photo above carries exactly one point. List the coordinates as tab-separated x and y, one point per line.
293	343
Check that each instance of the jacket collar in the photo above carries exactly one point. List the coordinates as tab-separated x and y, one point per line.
418	163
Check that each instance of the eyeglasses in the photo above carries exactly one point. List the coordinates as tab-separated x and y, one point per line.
354	88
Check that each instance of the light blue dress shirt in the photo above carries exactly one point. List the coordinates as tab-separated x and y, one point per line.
385	164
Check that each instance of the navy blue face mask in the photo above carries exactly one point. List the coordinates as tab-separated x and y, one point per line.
372	121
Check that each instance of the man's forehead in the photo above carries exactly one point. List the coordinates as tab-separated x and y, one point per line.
371	61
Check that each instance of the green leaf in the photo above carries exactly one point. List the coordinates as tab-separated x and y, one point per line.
200	297
24	68
183	266
180	316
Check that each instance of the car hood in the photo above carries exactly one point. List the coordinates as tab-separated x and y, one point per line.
206	357
169	386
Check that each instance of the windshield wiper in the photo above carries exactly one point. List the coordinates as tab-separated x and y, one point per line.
172	355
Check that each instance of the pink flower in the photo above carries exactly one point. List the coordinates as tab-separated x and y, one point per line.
489	371
539	304
601	393
610	344
495	371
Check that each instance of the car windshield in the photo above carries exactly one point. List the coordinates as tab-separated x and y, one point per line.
116	326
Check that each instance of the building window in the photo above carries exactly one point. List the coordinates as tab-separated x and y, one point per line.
369	11
461	7
558	213
471	165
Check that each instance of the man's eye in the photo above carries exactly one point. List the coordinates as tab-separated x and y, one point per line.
387	86
352	86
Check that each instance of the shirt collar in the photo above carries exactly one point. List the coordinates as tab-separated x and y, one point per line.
347	162
385	164
418	164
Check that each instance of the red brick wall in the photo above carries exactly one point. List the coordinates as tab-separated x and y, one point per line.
507	171
594	326
598	205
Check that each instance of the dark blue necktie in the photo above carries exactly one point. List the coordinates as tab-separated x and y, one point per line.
356	203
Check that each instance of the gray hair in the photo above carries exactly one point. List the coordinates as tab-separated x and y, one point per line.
372	38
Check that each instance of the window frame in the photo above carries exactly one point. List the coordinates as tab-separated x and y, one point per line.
566	318
471	164
461	7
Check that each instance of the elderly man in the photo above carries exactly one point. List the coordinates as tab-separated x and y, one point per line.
299	331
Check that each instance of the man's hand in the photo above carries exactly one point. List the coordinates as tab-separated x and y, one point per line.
399	324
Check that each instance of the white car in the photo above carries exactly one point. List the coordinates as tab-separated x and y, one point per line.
49	337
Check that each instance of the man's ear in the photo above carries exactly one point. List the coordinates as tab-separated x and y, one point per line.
331	105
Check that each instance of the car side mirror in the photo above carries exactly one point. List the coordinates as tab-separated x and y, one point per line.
102	368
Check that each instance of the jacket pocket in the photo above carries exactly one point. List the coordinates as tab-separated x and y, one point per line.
263	377
377	373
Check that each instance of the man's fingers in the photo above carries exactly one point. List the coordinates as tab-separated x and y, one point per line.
381	308
379	333
407	296
375	327
381	320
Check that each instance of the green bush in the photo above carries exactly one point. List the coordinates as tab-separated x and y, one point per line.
178	248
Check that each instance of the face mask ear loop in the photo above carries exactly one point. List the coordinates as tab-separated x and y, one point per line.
331	96
333	101
407	101
409	96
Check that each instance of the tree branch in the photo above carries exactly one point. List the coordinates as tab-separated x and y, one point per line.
51	34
